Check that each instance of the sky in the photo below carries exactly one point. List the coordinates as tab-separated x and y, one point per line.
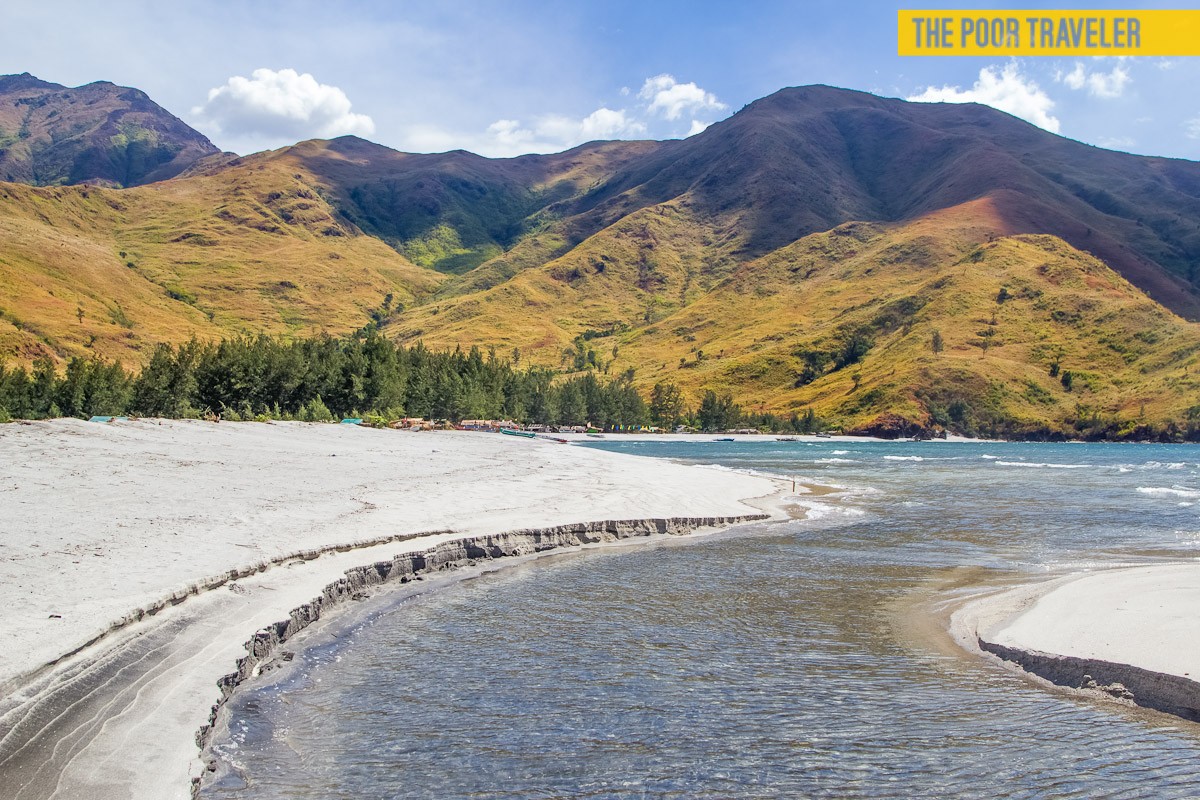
505	78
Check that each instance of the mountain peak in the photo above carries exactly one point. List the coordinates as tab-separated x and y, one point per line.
24	81
96	133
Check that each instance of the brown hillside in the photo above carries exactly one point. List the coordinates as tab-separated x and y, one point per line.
99	133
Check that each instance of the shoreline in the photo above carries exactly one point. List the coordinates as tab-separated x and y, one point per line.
1123	634
455	560
147	682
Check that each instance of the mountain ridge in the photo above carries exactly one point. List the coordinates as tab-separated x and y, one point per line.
663	257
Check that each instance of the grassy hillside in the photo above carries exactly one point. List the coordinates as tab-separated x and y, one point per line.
805	253
1006	307
85	269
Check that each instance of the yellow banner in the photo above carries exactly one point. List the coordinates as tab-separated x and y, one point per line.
990	32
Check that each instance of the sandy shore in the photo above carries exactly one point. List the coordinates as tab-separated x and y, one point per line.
136	559
1130	634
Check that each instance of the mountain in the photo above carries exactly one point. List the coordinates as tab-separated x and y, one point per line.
801	254
807	159
99	133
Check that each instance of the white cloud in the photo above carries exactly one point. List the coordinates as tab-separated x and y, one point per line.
1192	128
666	96
280	106
1098	84
662	109
1004	88
1116	142
554	132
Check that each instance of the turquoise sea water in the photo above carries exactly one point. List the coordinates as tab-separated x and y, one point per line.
795	659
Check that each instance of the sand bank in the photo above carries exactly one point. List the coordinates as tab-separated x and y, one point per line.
222	531
1130	634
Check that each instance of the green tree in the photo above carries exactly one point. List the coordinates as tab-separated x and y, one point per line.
666	405
717	412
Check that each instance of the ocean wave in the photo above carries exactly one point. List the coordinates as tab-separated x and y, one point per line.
990	458
814	510
839	452
1171	491
903	458
1041	465
835	461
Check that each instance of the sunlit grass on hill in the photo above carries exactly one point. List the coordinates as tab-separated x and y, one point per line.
85	269
1012	314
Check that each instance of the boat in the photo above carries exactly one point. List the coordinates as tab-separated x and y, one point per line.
724	439
522	434
823	435
786	439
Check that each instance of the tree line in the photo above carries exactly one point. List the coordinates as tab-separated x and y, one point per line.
323	378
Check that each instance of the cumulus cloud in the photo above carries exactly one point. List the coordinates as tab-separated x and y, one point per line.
1192	128
671	99
551	132
1116	142
1098	83
1004	88
280	106
663	107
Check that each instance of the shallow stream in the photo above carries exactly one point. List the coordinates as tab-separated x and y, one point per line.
785	660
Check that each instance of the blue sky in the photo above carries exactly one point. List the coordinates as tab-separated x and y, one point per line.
502	78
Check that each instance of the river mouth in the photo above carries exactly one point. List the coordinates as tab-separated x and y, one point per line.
804	658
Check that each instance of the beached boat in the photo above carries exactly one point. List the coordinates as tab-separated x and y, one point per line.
786	439
523	434
724	439
823	436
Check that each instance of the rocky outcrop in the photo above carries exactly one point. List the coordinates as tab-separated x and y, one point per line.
891	426
463	552
1123	682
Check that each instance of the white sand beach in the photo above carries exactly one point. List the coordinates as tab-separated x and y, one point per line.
98	521
1130	633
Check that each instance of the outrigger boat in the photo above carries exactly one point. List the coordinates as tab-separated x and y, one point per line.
522	434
